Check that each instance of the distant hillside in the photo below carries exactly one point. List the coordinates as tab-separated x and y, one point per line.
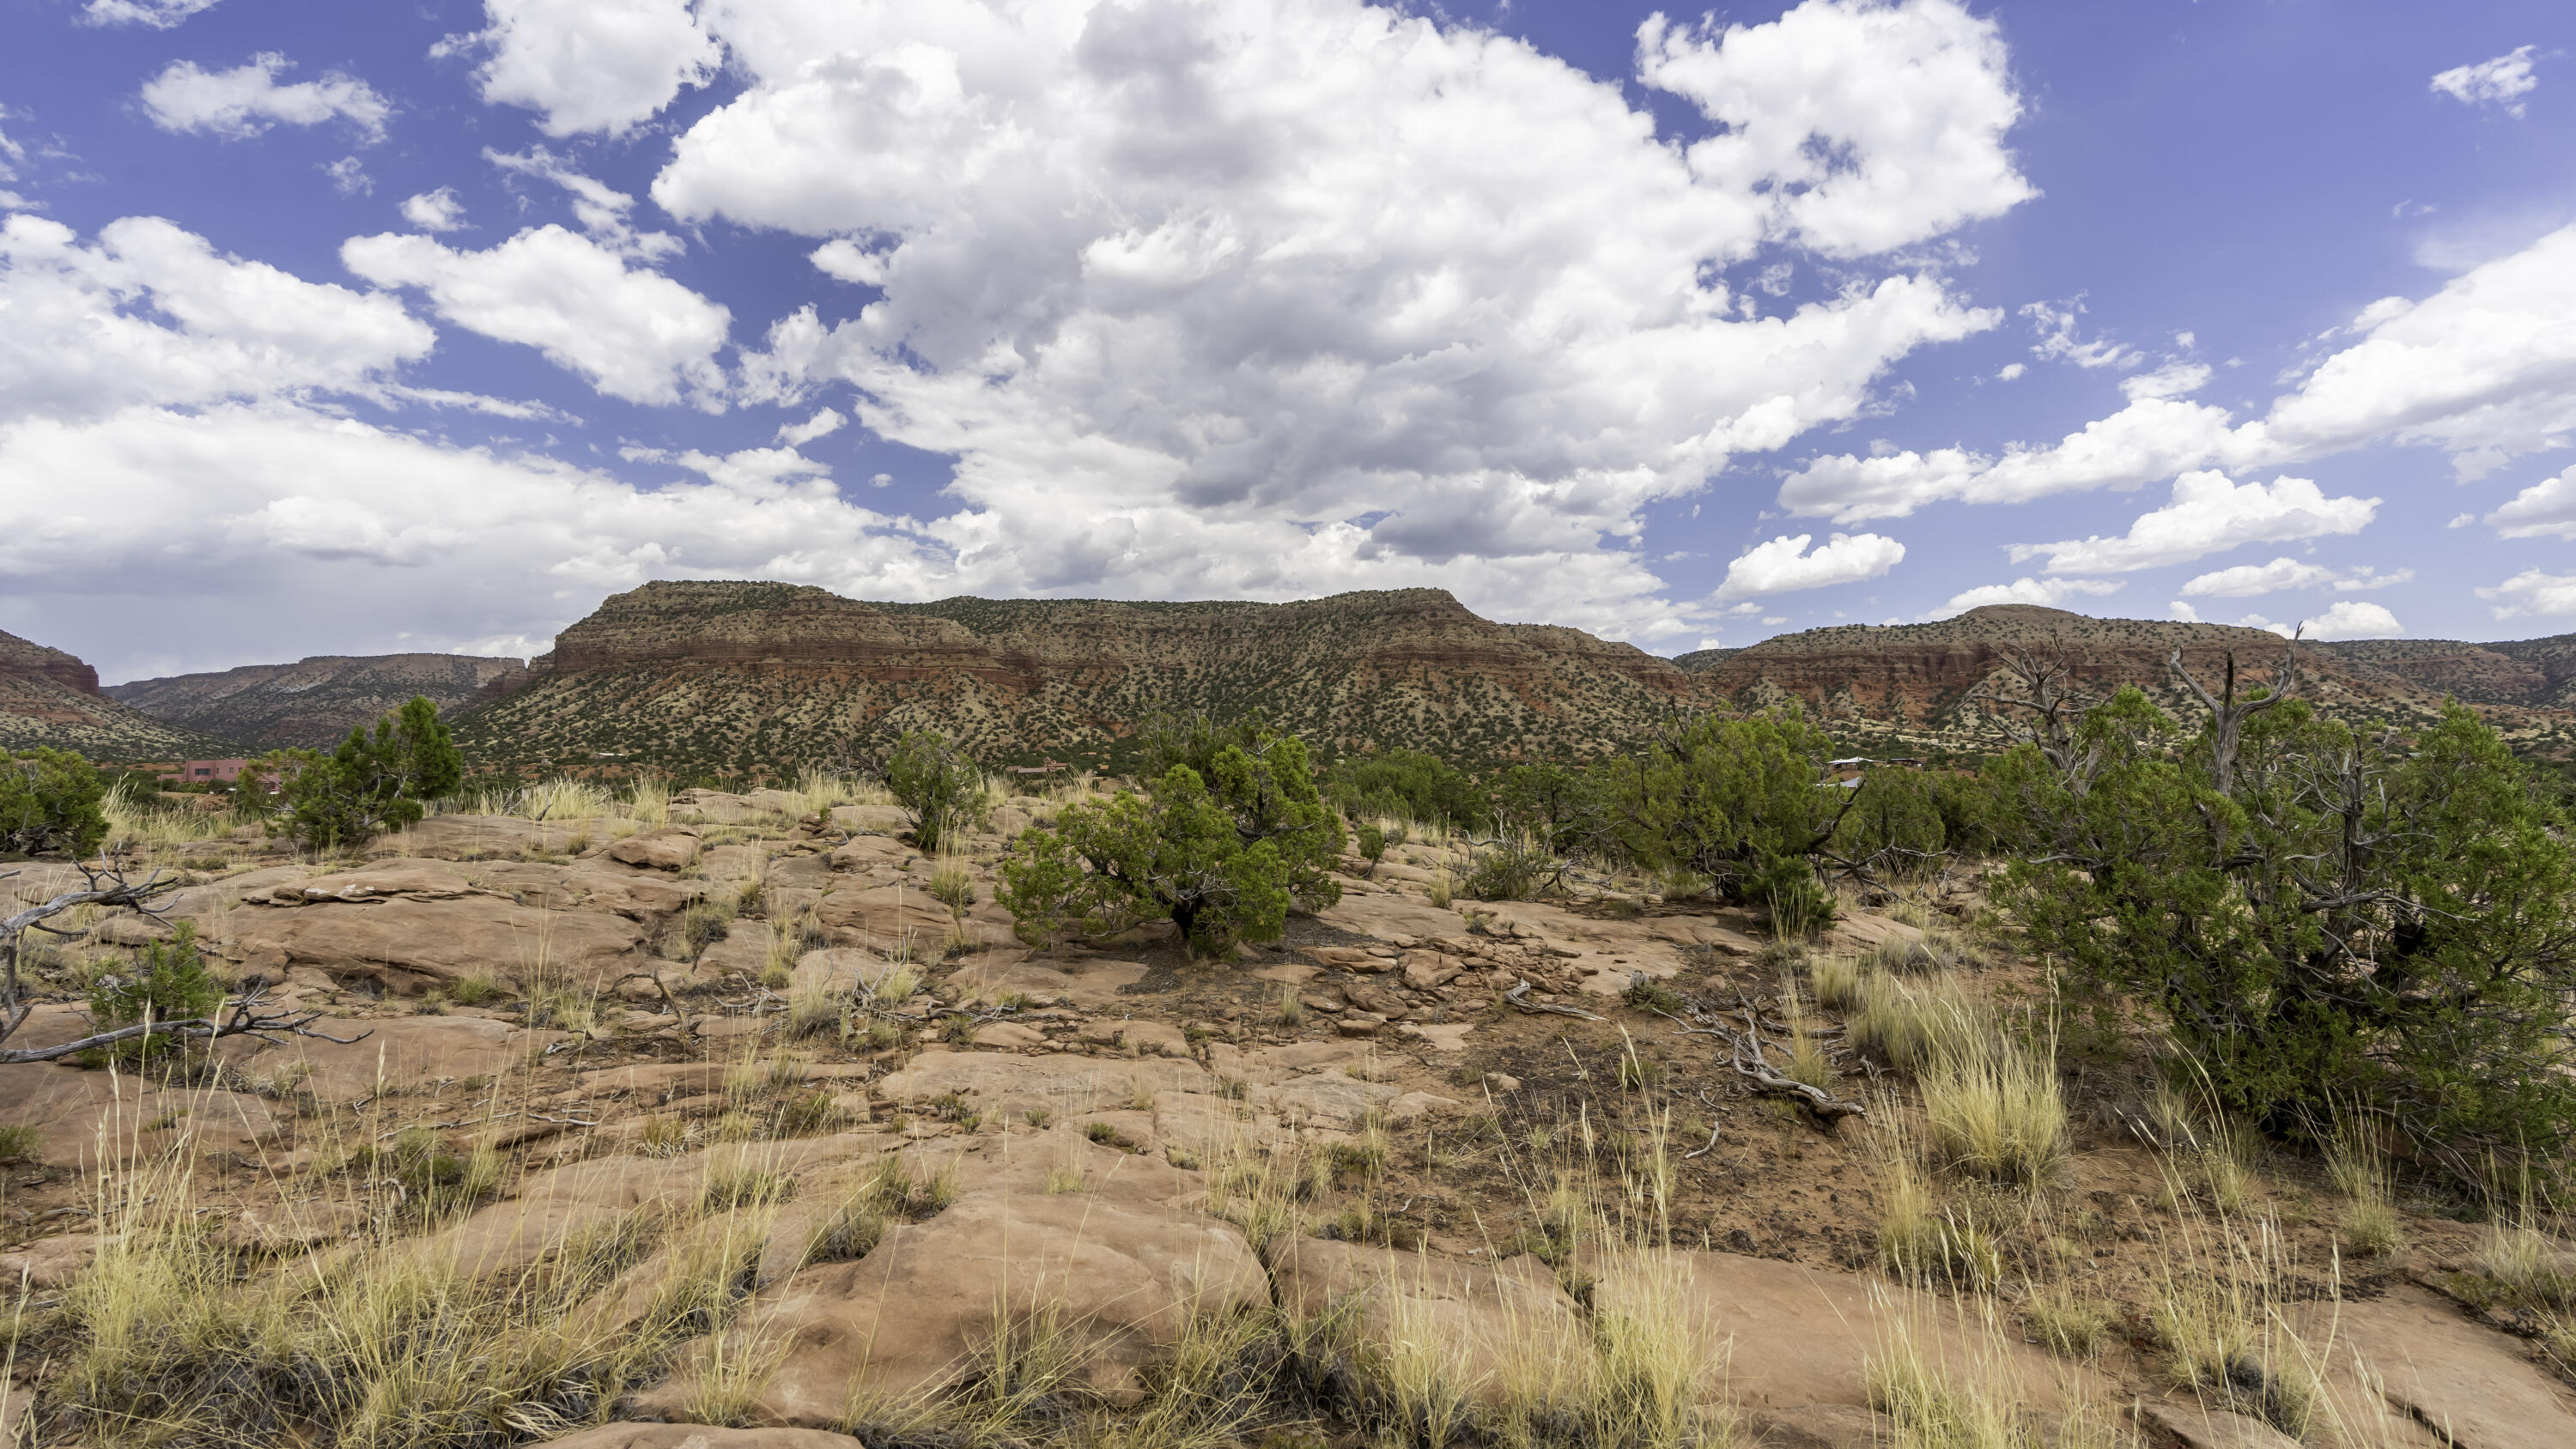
2536	673
48	697
1700	661
313	702
744	675
1908	686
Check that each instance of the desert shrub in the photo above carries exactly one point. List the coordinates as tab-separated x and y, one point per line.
1790	894
50	801
704	924
19	1143
169	984
375	782
1222	860
937	785
1372	844
1408	785
1513	868
1896	818
1735	801
2318	916
951	884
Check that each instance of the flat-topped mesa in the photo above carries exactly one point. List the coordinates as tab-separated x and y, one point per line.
687	672
1025	645
727	622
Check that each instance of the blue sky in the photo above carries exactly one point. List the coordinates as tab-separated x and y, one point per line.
330	328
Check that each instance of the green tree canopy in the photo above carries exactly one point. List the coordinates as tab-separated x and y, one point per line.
2318	916
937	784
373	783
1221	854
50	800
1726	798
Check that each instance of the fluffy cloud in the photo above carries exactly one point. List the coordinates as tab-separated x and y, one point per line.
242	102
2048	593
2347	619
152	314
2246	580
292	512
2149	439
2209	514
2546	509
632	334
2174	379
159	14
589	65
2485	369
2503	81
1182	284
1862	127
1784	565
435	210
2533	592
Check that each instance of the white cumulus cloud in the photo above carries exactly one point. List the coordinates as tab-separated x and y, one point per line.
434	210
242	102
2484	368
2347	619
1168	280
2246	580
2546	509
158	14
149	313
1863	127
2533	592
2047	593
1784	565
632	334
2502	81
2209	514
590	65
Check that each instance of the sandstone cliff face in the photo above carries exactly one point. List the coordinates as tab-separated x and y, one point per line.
711	672
48	697
313	702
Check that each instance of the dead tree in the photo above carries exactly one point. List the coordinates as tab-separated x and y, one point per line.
2043	684
2228	714
107	884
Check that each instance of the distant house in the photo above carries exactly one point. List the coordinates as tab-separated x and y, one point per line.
1049	768
203	772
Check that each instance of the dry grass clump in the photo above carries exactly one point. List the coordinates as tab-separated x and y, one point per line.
1839	981
1933	1400
563	799
648	800
1914	1025
2359	1169
2067	1320
1809	1062
1935	953
151	829
1994	1109
166	1342
2219	1315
